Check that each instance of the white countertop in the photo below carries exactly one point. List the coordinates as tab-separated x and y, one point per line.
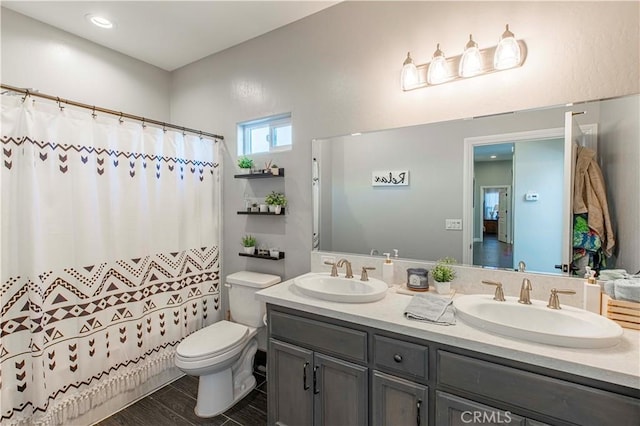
619	364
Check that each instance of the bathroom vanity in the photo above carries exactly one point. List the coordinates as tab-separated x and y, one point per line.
334	363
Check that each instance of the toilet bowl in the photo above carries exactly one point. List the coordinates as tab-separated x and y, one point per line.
222	354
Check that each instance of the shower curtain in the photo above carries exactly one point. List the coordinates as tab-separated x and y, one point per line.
110	255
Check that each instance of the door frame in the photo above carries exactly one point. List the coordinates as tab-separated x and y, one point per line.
482	191
589	131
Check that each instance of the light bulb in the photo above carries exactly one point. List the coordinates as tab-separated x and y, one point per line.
410	77
437	68
471	62
508	52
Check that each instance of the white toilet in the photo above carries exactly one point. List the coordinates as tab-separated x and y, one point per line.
222	353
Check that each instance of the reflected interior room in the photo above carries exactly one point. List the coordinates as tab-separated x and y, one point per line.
296	213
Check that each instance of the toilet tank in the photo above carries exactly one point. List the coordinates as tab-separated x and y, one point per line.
245	307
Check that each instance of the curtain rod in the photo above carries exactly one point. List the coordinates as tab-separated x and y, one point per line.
94	108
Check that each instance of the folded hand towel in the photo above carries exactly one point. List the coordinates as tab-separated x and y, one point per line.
431	308
624	289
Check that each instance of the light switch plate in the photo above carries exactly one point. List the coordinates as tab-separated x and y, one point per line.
453	224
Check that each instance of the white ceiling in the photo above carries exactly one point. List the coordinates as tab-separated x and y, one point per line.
169	34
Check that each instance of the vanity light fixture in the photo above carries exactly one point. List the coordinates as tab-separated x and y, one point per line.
437	72
471	62
409	77
507	52
474	61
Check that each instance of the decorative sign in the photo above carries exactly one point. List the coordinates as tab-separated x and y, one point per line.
390	178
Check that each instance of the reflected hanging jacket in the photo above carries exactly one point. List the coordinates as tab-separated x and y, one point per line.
589	196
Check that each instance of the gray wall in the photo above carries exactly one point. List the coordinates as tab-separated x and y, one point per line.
619	150
338	72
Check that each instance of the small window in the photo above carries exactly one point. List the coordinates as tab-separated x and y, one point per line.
265	135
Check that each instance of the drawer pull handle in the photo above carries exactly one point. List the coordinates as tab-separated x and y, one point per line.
397	358
418	404
304	376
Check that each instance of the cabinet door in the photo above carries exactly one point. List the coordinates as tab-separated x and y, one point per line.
340	392
452	410
398	402
290	384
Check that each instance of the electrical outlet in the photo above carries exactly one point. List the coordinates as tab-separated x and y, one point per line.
330	259
453	224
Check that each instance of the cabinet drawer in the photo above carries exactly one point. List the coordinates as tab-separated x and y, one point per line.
327	338
400	357
562	400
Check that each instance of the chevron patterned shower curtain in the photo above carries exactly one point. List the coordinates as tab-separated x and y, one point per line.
110	255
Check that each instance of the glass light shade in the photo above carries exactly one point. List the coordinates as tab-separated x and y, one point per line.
508	53
409	77
437	72
471	62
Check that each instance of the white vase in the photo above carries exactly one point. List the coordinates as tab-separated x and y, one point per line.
250	250
245	171
275	171
263	208
443	287
274	252
278	210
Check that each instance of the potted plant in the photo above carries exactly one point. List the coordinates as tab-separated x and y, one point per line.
245	164
249	244
275	170
276	201
443	274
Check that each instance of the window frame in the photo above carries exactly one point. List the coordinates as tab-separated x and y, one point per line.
272	123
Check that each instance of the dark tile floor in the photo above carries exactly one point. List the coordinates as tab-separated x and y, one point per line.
173	405
492	252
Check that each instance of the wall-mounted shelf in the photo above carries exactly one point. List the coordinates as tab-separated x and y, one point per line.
262	213
261	175
263	256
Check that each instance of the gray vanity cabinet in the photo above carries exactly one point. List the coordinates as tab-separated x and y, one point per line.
311	387
452	410
398	402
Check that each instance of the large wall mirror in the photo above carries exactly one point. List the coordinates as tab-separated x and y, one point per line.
489	191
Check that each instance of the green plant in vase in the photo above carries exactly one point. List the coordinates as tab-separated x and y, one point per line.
275	201
443	274
245	163
249	244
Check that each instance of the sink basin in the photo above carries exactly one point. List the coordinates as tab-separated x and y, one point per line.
568	327
340	289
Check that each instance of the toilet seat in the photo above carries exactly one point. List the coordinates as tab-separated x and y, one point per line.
213	340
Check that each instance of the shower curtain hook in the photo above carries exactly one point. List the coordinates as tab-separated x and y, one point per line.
184	133
144	126
93	112
200	134
26	95
59	104
121	120
164	127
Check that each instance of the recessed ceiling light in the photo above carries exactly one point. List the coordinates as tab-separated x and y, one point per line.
99	21
494	156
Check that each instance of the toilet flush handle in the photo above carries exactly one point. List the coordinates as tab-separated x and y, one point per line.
227	285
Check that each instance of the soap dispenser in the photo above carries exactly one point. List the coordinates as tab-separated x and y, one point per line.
387	270
592	292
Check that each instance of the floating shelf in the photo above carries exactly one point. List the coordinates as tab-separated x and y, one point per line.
261	175
262	256
262	213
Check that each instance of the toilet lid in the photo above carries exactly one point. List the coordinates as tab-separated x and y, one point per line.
216	338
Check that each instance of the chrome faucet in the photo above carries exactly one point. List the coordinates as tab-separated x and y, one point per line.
554	301
499	295
522	266
525	292
347	264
